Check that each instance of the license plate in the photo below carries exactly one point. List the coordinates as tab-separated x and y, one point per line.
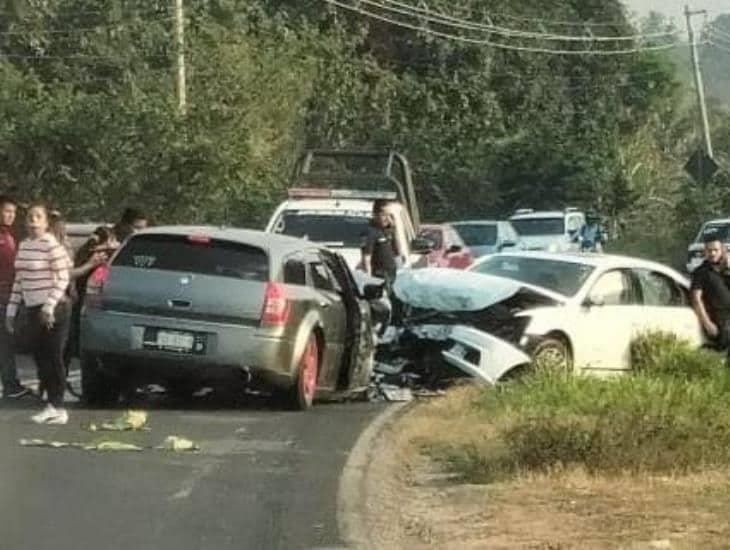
177	341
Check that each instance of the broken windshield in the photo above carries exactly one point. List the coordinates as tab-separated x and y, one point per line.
565	278
344	230
529	227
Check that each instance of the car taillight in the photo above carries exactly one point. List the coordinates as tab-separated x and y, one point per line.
95	285
276	305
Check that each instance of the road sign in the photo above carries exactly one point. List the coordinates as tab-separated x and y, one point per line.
701	166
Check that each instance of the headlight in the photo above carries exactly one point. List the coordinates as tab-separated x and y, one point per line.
553	247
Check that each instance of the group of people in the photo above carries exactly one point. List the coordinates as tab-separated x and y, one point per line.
42	283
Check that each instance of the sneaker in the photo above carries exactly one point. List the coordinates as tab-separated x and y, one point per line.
16	392
61	418
51	415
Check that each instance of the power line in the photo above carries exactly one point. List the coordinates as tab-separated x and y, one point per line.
718	47
464	24
485	42
557	23
714	29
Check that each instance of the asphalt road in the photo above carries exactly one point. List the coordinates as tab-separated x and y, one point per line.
265	478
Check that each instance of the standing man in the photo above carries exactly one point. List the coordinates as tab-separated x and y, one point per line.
132	221
12	389
591	234
711	293
380	248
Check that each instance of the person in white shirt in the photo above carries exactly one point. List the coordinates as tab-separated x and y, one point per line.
42	270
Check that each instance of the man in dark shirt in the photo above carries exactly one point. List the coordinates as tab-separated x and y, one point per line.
380	248
710	292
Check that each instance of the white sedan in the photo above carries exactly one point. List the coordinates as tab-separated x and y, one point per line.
579	310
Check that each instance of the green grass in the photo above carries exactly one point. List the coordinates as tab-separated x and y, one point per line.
671	415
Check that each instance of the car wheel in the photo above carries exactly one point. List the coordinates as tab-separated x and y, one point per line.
98	388
552	355
301	395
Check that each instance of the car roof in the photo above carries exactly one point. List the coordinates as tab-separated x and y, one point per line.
719	220
84	227
272	242
334	204
478	222
544	214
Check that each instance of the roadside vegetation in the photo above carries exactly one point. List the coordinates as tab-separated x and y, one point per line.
671	416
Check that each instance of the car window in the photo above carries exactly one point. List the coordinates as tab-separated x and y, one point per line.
194	255
527	227
321	277
659	290
335	228
614	289
295	273
566	278
478	234
718	230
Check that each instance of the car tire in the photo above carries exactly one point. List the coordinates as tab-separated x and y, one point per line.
300	396
98	388
553	355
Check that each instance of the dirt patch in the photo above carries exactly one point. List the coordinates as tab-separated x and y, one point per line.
412	503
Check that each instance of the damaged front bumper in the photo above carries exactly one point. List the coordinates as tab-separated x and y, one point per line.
482	356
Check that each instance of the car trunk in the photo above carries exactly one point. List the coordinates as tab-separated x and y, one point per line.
190	278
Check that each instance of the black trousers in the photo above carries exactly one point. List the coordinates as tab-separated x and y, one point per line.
48	346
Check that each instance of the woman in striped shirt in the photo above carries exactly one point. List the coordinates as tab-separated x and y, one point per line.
41	278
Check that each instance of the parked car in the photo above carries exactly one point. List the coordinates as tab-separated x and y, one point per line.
181	306
550	231
449	249
488	236
568	311
696	249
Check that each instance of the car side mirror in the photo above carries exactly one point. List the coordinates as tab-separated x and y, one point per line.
595	300
373	292
421	245
506	244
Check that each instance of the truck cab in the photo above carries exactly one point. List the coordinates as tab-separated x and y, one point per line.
549	231
338	219
332	196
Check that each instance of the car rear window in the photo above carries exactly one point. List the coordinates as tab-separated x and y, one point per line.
334	229
190	255
528	227
477	234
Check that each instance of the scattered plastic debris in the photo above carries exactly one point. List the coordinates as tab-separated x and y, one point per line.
129	421
394	393
178	444
103	446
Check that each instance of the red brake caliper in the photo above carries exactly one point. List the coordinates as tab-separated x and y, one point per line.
309	370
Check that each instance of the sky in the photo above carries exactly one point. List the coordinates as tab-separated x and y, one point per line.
675	8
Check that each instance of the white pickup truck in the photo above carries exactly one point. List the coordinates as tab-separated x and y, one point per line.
339	218
328	207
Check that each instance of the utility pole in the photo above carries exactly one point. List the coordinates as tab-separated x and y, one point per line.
180	33
698	79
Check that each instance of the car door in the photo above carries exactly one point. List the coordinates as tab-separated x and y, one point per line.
333	314
608	321
666	307
460	259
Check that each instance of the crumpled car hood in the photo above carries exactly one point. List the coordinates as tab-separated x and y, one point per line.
450	290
